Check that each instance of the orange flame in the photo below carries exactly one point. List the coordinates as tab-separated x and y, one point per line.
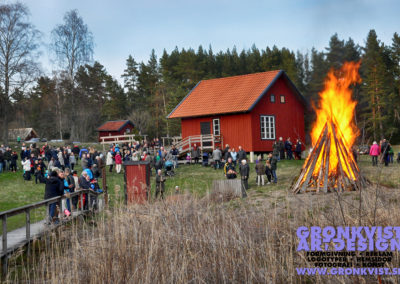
336	103
336	112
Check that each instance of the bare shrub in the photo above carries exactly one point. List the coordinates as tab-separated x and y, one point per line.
186	240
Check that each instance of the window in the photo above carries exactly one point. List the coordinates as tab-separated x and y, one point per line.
267	123
127	131
216	126
283	99
272	98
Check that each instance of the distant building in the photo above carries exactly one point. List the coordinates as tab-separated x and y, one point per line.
25	134
251	110
116	127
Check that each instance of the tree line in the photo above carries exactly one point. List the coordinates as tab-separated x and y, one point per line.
77	97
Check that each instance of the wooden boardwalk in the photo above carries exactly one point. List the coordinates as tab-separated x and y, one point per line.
13	240
17	238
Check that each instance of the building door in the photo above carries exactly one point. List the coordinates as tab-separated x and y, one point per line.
205	129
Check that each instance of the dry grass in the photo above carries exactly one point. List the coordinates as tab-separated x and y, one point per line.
189	240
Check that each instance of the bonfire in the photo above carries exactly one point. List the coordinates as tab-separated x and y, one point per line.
331	164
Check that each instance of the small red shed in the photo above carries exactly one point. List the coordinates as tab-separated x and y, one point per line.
251	110
115	128
137	181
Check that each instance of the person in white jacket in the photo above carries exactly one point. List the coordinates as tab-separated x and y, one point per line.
110	160
26	165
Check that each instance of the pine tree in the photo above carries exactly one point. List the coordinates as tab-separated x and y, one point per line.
374	70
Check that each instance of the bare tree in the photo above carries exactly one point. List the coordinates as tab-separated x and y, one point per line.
72	43
19	41
141	120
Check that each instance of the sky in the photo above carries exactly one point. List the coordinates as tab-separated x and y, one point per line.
122	27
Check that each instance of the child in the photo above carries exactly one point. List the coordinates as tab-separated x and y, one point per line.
260	169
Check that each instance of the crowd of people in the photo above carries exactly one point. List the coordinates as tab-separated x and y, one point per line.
54	166
382	153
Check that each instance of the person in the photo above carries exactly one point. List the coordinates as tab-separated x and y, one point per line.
281	147
385	148
76	151
39	172
53	188
60	157
174	152
298	149
26	166
109	160
229	169
72	160
158	162
217	155
275	150
18	139
273	162
118	162
234	156
288	148
160	184
195	154
71	185
84	161
241	154
268	169
244	170
225	152
260	170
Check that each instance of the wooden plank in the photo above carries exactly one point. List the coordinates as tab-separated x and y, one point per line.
28	224
326	177
318	151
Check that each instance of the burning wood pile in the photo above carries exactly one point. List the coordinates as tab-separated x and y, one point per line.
331	164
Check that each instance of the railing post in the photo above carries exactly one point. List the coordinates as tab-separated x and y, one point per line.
4	219
81	198
28	224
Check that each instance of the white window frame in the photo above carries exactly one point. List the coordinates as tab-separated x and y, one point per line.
267	127
216	126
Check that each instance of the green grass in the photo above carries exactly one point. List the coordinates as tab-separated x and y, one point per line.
15	192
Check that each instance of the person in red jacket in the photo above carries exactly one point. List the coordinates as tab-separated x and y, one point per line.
374	152
118	162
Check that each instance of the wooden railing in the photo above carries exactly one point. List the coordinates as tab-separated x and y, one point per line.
205	142
6	250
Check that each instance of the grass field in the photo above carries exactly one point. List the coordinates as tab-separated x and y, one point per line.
15	192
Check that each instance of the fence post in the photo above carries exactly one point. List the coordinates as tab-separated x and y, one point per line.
28	224
4	234
4	258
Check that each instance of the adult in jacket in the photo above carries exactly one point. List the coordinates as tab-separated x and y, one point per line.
374	152
241	154
244	170
54	188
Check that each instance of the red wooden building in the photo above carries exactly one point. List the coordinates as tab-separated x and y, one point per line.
251	110
116	127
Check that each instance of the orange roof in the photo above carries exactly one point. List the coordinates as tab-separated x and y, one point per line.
113	125
225	95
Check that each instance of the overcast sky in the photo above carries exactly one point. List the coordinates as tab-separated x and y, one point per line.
134	27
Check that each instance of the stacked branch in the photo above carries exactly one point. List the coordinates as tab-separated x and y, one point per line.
317	173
